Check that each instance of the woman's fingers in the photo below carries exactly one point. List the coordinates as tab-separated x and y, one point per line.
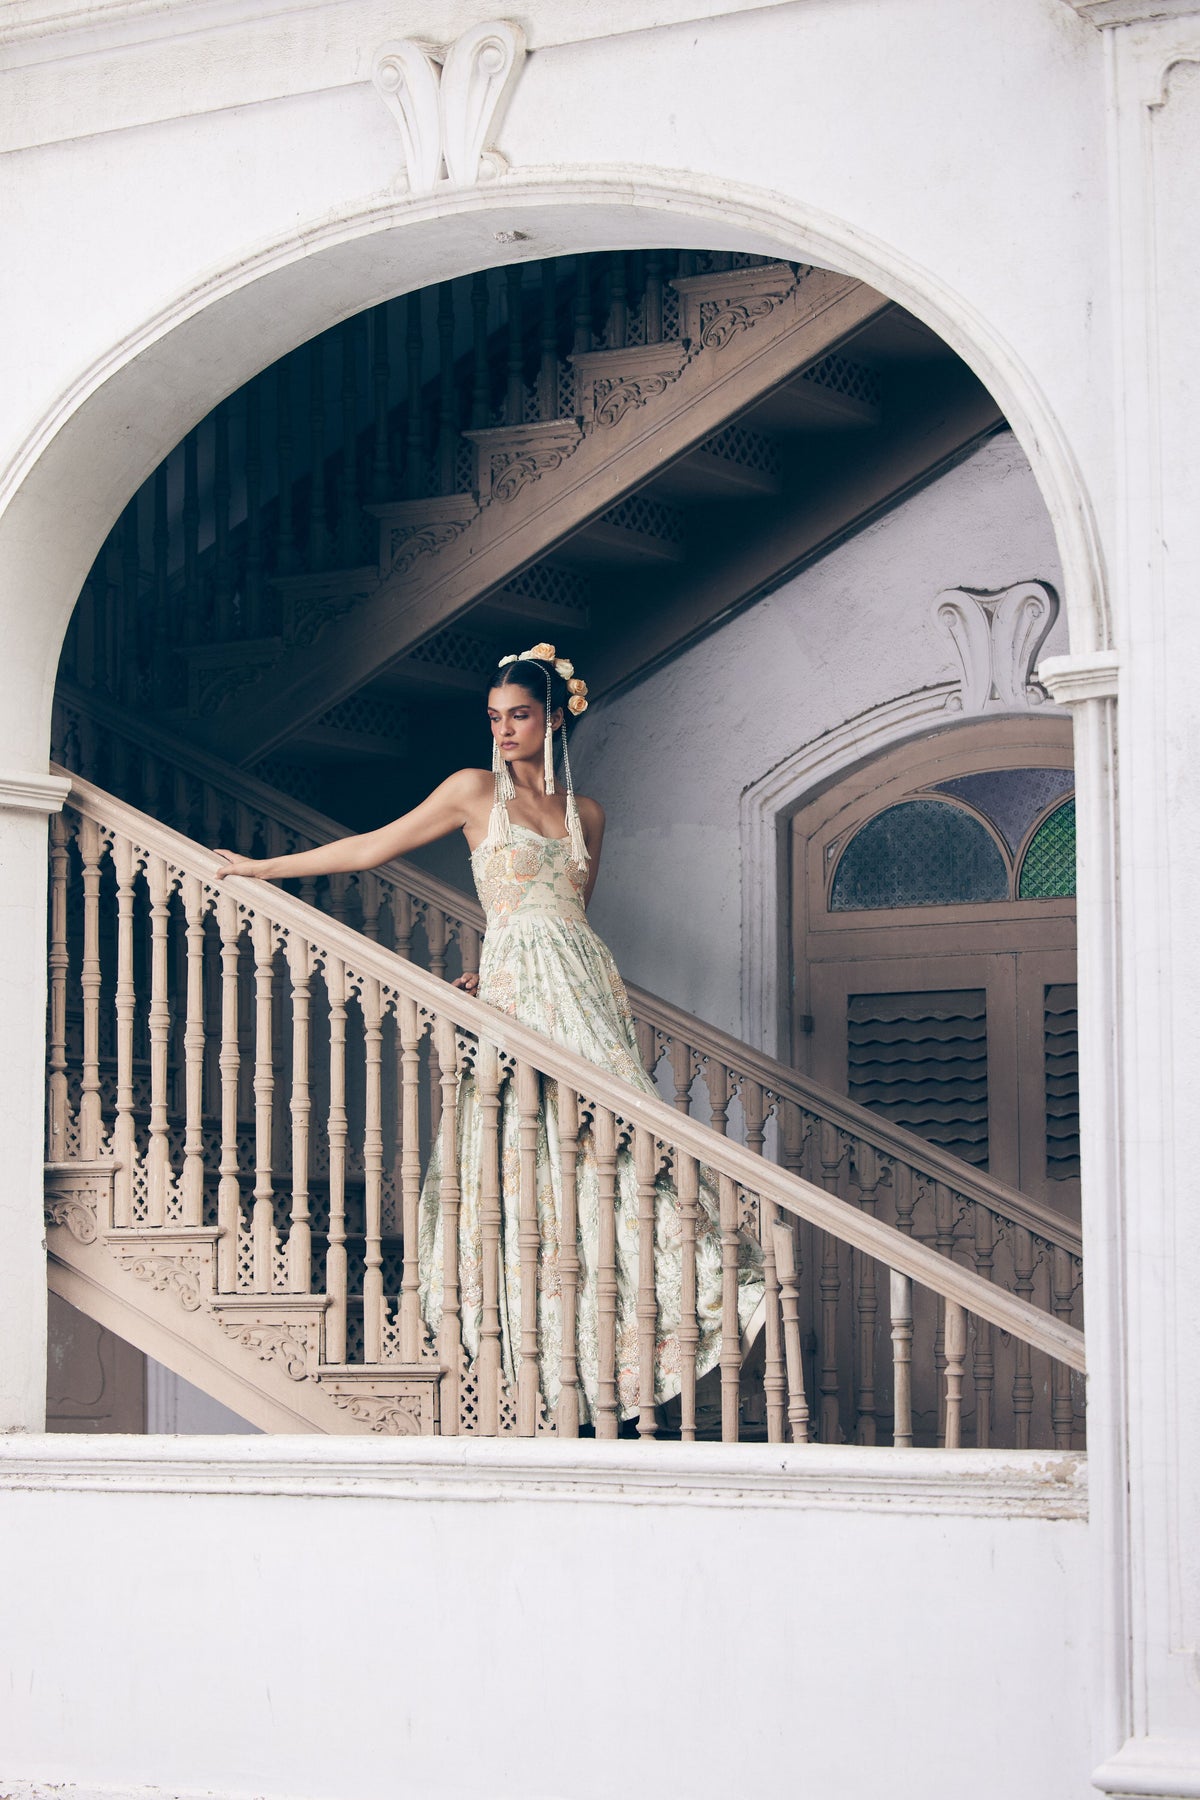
235	865
468	983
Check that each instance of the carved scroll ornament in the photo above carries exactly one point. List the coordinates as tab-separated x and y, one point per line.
997	637
448	103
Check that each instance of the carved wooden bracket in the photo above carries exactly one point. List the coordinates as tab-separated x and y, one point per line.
997	637
448	102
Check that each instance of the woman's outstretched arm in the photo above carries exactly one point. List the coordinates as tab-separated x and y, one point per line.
445	810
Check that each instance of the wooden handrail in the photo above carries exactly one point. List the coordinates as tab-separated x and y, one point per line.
371	963
707	1041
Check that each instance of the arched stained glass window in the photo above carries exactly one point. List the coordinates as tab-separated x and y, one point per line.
1048	872
920	853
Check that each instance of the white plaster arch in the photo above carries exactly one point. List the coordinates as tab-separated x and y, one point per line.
102	437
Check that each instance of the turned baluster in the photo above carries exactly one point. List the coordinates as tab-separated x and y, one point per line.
381	484
617	286
983	1362
437	939
644	1159
956	1354
414	449
223	609
731	1336
480	367
408	1115
907	1189
1062	1409
402	923
158	1158
683	1071
832	1153
647	1043
547	384
373	1306
212	819
687	1189
335	1255
59	963
581	310
716	1080
253	579
286	559
124	1141
902	1341
487	1087
193	610
370	900
754	1113
783	1234
943	1240
229	1193
337	886
867	1174
449	1201
348	484
470	944
192	1186
300	1235
652	303
447	432
529	1240
162	623
514	386
567	1414
604	1136
263	1218
319	545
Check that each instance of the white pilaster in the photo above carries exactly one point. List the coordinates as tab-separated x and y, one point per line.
26	800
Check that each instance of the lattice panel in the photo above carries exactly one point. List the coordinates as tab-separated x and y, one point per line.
649	517
841	376
369	717
748	449
290	778
280	1282
551	586
455	650
464	468
245	1257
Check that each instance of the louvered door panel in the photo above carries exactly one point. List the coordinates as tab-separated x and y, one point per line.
921	1059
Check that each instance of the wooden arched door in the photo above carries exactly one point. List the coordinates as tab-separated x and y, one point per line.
933	946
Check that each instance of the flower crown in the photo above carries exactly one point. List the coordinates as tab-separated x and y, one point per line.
546	653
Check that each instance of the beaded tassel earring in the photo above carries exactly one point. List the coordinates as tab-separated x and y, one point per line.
579	849
548	745
499	831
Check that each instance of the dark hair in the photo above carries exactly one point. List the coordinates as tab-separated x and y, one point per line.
532	677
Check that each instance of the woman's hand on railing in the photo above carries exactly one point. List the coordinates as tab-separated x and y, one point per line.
469	983
257	869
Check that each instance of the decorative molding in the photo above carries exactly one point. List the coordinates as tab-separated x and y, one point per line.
1071	679
716	308
448	102
290	1345
1161	1768
176	1272
391	1404
1105	15
849	1478
777	793
608	383
76	1211
32	793
997	636
509	457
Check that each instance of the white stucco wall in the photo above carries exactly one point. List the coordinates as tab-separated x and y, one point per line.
670	758
552	1622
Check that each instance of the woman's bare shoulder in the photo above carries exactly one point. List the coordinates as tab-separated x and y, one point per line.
590	811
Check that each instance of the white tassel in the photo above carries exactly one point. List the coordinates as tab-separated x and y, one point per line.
579	849
500	769
548	752
499	831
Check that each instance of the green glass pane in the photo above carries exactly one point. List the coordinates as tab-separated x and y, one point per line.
919	853
1048	872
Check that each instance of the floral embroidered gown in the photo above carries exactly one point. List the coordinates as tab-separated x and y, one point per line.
542	963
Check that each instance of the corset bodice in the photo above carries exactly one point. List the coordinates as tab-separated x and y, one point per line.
532	876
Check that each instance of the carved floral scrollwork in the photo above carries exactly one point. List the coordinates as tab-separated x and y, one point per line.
615	397
998	637
514	470
722	321
169	1274
408	546
284	1344
74	1212
216	686
387	1415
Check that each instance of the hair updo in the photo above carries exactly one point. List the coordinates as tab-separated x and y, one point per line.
531	676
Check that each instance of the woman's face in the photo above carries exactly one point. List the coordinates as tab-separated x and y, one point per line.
518	723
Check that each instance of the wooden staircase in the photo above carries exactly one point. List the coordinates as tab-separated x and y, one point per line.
225	1281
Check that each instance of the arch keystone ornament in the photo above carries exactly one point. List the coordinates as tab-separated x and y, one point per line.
448	102
997	636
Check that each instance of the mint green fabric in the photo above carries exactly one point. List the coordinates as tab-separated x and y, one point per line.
543	964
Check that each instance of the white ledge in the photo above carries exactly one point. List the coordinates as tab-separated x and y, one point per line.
1013	1484
1154	1767
1107	14
32	793
1068	679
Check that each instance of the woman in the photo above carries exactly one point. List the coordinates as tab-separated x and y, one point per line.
534	855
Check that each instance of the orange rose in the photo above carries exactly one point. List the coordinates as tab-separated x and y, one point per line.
541	653
577	703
